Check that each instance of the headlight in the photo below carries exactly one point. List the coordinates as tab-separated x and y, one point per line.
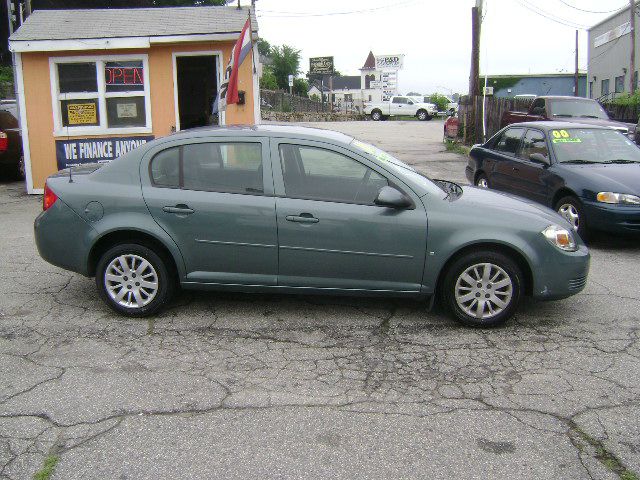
610	197
560	237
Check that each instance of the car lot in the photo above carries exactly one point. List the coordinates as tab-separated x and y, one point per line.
266	386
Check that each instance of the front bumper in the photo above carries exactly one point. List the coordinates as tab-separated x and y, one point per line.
561	274
612	218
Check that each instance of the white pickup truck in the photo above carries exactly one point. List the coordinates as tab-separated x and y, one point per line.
400	105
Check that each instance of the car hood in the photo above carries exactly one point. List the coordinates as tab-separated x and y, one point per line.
504	204
619	178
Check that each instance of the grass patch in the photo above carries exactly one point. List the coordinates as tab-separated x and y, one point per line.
47	469
456	147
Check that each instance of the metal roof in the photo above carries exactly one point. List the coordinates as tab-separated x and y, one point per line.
131	22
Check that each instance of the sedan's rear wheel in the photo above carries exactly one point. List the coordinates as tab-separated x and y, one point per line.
483	289
133	280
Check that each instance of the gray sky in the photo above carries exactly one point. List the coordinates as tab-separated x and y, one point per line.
435	35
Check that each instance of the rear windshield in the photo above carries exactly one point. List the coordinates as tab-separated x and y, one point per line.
582	145
577	108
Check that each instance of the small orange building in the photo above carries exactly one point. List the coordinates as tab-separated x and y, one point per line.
93	84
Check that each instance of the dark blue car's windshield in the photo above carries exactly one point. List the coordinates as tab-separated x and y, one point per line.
591	145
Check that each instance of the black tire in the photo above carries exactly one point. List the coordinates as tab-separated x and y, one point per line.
376	115
572	202
482	178
423	115
506	267
163	275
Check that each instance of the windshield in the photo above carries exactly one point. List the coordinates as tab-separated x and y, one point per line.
577	108
593	145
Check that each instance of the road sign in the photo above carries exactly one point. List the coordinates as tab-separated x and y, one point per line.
291	80
321	66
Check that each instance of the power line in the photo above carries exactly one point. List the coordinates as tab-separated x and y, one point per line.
275	13
549	16
591	11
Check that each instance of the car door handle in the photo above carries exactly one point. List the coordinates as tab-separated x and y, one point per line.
302	218
179	209
516	169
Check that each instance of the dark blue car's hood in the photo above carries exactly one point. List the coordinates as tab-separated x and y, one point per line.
624	178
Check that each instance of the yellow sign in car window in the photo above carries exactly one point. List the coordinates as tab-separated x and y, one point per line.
562	136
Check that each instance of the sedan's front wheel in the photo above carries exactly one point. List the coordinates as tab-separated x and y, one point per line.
133	280
482	289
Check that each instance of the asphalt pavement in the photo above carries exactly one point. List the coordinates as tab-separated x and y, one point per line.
242	386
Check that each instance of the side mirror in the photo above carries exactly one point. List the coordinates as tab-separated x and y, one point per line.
392	198
539	158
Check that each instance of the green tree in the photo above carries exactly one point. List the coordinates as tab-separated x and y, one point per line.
285	61
268	79
439	100
264	48
301	87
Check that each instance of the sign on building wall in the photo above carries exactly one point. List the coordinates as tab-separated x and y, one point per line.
82	113
612	34
321	66
70	153
389	62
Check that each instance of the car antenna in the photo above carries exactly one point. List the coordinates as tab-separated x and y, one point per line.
70	166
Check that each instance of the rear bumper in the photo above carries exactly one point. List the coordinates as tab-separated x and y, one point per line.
613	218
63	238
561	274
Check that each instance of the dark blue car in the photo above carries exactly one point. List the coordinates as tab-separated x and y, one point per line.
588	174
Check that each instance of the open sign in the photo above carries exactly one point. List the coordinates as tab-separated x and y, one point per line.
124	75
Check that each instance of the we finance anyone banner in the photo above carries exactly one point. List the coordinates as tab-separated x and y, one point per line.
70	153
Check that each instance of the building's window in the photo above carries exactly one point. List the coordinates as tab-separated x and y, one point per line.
333	98
101	94
604	90
370	97
619	84
590	89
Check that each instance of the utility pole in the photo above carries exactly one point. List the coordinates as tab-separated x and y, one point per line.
576	76
474	74
11	15
632	63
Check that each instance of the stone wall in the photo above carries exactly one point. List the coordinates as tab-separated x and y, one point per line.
273	116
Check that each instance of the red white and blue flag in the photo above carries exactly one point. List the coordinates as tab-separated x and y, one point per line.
228	92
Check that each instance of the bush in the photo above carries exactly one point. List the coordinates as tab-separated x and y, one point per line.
440	101
268	80
627	100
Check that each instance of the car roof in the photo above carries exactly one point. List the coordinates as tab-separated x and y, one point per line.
265	130
551	125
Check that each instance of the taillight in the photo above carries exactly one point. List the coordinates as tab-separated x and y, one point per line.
4	142
49	198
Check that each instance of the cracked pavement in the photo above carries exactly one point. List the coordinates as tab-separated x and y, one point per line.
271	386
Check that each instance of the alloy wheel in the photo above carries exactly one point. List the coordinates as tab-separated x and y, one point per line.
483	290
482	182
570	213
131	281
422	116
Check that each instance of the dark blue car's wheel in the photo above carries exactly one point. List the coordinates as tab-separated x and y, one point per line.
482	181
133	280
570	208
482	289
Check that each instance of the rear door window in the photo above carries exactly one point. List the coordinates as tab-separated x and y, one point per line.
509	142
